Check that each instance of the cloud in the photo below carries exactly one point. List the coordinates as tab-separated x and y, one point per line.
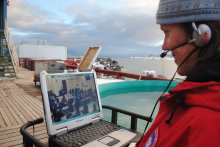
121	27
22	14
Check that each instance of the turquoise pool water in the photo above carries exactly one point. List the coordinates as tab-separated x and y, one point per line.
135	96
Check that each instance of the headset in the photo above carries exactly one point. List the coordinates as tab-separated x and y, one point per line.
201	36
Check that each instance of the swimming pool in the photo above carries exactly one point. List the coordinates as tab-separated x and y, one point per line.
135	96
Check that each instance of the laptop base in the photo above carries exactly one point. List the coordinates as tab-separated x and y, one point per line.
100	134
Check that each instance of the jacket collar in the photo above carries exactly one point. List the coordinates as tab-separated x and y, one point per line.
191	85
209	72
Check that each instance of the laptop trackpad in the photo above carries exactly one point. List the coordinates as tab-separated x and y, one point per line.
114	139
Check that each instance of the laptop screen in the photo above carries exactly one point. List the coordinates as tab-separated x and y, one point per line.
71	96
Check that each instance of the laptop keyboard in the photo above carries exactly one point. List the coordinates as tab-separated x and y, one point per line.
87	134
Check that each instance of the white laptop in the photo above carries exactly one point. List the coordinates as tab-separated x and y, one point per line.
73	109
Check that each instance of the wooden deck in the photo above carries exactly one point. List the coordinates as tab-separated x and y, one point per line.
17	107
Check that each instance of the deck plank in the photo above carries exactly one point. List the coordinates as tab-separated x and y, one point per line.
29	100
12	143
2	122
34	100
25	105
13	136
15	129
10	135
5	114
10	131
18	110
10	107
8	128
8	113
37	104
19	145
17	107
37	108
7	140
26	109
27	114
3	91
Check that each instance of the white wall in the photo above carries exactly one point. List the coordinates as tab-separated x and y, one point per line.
54	84
41	51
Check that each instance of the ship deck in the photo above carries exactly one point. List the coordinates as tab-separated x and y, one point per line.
20	102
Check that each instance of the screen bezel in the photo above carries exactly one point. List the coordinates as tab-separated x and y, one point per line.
53	129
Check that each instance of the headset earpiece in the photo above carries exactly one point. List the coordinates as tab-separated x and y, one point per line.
202	34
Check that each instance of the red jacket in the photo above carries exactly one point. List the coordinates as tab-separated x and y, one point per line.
196	124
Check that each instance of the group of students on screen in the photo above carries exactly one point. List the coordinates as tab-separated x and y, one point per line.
69	105
77	92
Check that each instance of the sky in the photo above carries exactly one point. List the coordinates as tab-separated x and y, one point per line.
124	28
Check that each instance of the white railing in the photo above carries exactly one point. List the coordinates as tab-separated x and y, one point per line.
11	48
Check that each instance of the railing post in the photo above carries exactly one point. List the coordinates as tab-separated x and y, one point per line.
114	116
133	123
27	143
118	76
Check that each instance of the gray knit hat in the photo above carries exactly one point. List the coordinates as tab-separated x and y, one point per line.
179	11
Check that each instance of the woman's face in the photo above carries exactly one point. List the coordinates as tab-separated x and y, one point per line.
174	36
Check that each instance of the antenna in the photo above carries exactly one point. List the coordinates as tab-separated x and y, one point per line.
92	41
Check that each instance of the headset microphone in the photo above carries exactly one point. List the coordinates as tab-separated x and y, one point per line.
165	53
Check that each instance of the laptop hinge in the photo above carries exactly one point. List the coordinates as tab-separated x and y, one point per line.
61	131
95	120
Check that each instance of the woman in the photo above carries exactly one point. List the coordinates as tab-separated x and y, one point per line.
189	114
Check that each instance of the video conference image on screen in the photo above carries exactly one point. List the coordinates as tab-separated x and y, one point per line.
71	96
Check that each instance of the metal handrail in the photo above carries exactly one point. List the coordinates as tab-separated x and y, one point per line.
120	74
134	116
11	48
29	140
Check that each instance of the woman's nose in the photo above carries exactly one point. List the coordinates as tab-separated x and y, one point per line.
164	46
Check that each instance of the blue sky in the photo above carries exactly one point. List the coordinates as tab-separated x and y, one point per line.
123	28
